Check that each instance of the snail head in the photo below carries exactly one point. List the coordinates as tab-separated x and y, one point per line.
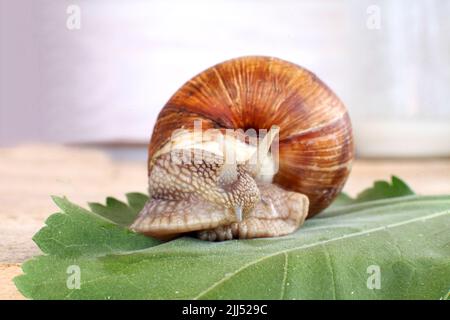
198	179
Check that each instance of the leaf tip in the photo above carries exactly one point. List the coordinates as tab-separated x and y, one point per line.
58	200
396	181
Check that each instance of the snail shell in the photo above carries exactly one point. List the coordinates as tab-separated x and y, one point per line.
223	201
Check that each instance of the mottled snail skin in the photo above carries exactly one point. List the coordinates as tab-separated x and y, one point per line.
190	197
315	151
280	212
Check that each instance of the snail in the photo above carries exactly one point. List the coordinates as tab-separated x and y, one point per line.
248	148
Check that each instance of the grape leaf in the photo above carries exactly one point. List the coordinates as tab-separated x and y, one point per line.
379	190
384	246
76	232
119	212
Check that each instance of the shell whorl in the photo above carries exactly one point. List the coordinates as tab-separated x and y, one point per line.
315	138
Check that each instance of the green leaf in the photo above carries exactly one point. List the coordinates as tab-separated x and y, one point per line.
383	190
136	200
331	257
379	190
77	232
119	212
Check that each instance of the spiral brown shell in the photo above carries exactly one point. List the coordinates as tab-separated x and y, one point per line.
315	142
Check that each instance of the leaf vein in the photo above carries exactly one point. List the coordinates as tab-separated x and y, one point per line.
311	245
285	272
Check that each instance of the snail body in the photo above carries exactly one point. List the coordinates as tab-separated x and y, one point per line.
248	148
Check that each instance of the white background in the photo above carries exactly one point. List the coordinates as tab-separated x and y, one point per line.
107	81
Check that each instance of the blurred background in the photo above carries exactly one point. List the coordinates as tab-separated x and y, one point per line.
98	72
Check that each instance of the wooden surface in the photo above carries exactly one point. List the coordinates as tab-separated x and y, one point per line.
30	174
